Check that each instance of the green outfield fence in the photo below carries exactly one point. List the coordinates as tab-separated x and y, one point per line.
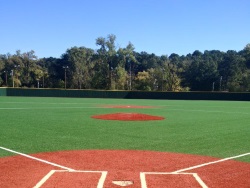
124	94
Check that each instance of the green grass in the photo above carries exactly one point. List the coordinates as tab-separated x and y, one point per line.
212	128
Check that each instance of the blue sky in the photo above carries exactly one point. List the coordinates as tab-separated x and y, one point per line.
50	27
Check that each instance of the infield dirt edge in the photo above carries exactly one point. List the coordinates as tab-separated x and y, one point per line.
122	165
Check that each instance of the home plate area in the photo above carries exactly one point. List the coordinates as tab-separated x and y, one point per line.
121	168
79	179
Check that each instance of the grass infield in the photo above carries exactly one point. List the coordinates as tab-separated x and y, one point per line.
212	128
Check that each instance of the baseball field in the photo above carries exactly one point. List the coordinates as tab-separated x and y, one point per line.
87	142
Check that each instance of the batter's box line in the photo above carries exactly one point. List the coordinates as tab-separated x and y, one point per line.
195	175
46	177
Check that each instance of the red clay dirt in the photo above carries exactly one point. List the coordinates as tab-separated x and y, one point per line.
127	117
122	166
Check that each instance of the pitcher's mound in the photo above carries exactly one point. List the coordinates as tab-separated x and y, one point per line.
128	117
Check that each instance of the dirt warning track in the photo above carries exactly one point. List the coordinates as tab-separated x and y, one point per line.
121	168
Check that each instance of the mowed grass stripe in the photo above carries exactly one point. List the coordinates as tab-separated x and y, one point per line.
194	127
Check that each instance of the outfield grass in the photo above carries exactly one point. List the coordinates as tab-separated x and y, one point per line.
211	128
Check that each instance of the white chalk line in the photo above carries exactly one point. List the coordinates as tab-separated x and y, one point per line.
104	173
45	178
37	159
195	175
210	163
143	180
99	185
203	185
100	182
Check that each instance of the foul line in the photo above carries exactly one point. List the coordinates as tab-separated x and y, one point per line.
37	159
209	163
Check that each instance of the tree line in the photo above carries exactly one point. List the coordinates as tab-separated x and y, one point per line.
113	68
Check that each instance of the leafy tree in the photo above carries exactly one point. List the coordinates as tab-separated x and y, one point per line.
246	76
107	54
232	68
246	54
28	63
121	78
44	64
142	81
201	72
79	61
176	60
51	68
130	63
3	73
146	61
166	77
100	79
109	68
